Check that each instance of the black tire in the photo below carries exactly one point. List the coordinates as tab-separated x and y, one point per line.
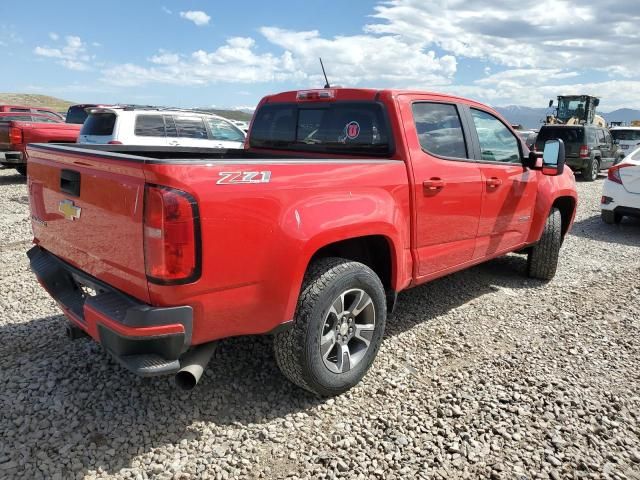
591	171
22	170
542	261
610	217
297	350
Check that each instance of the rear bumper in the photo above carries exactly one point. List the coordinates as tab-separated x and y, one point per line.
147	340
576	163
620	200
13	158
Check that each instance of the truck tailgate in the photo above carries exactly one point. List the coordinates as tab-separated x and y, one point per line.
88	211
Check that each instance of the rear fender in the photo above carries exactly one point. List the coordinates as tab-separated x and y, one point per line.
320	222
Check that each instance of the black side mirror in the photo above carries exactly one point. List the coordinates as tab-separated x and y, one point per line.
596	102
553	157
550	103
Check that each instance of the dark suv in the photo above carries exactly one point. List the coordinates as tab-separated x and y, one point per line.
588	148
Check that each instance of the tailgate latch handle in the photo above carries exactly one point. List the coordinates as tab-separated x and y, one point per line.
70	182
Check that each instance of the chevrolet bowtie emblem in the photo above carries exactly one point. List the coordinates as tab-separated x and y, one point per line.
69	210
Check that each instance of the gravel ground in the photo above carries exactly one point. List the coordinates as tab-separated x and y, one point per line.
482	374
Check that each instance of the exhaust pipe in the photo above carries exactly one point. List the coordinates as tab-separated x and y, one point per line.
193	364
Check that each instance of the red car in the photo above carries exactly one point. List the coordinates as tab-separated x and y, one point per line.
341	199
28	109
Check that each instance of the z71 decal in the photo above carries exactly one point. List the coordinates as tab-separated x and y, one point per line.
228	178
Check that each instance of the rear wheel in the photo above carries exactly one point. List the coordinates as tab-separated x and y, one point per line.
591	170
22	169
338	327
542	261
610	217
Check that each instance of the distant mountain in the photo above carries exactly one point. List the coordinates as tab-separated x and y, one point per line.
526	116
533	117
35	100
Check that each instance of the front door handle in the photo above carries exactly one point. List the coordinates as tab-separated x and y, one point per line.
433	185
494	182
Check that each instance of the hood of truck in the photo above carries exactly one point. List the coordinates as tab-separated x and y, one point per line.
88	211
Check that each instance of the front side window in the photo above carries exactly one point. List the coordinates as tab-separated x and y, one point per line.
223	130
439	129
497	143
149	126
191	127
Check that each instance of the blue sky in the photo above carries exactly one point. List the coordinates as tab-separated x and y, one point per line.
230	54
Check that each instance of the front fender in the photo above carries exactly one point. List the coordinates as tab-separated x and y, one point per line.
550	191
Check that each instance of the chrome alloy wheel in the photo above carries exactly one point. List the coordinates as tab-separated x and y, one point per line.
595	169
347	330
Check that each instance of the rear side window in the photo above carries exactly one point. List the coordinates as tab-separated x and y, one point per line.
626	135
439	129
99	124
601	138
149	126
350	128
190	127
223	130
497	142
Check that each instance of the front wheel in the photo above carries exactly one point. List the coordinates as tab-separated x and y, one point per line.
542	261
591	170
337	330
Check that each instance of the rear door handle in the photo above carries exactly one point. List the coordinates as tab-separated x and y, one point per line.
494	182
433	185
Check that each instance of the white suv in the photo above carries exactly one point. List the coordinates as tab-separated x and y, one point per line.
627	139
159	127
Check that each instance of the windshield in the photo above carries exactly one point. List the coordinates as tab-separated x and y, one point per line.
571	108
353	128
76	114
627	134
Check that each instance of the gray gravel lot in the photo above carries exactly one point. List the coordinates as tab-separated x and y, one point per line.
482	374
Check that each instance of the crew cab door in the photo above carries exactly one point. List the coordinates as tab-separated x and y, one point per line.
447	185
509	188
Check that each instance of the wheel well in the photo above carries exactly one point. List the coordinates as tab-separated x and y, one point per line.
374	251
566	205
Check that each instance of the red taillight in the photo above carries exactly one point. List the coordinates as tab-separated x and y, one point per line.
315	95
614	172
584	151
171	236
15	135
114	142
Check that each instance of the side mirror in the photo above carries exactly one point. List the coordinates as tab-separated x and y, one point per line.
596	102
553	157
550	103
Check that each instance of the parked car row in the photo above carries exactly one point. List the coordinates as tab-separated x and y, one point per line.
112	124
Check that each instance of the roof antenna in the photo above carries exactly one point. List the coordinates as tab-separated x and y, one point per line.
325	75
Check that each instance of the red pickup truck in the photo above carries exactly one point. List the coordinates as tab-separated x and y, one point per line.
341	199
19	129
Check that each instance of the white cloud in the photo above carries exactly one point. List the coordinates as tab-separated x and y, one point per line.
166	10
72	54
196	16
54	36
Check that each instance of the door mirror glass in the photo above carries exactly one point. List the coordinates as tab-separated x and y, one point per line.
553	157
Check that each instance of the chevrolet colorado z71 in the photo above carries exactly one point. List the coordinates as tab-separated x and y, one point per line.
341	199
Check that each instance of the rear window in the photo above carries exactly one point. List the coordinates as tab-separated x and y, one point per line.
20	118
19	109
76	114
149	126
353	128
100	124
566	134
630	135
